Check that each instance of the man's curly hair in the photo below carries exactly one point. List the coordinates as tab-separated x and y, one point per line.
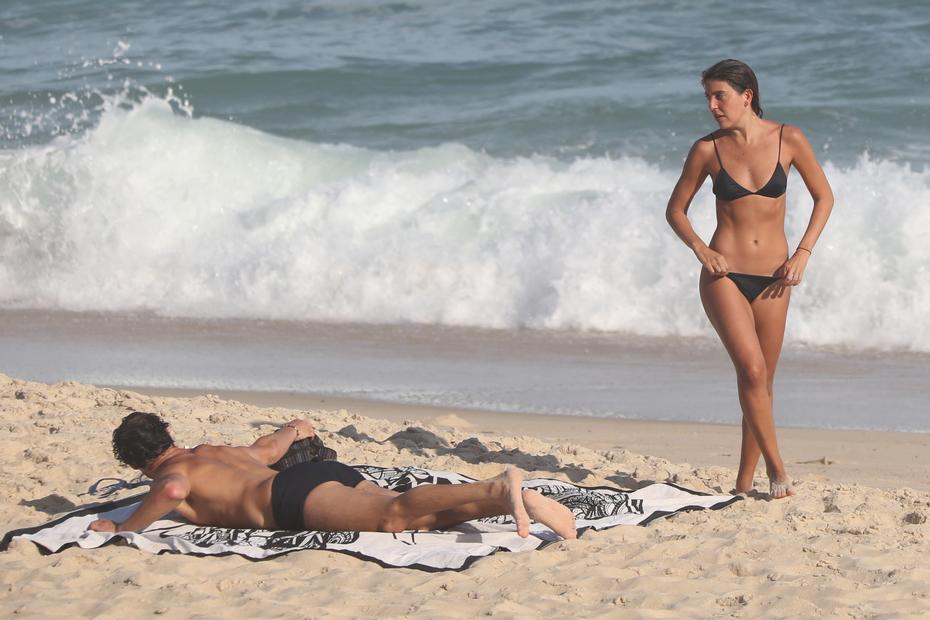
140	438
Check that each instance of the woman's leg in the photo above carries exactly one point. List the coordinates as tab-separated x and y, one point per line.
733	318
748	460
770	310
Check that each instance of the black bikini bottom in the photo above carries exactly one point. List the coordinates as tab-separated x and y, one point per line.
290	488
750	286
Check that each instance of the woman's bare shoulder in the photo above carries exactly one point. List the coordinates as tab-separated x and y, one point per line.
704	145
792	134
795	142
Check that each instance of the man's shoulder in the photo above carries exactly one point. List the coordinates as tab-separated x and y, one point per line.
189	458
206	449
228	455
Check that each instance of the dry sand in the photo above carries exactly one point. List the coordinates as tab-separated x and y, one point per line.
838	549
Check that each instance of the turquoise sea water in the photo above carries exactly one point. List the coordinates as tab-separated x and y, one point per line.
486	164
587	78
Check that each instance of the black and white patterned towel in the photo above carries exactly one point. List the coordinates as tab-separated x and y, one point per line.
453	549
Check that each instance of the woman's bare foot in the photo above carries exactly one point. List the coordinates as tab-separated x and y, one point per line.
512	480
550	513
781	487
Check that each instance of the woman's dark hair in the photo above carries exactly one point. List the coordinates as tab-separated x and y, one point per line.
738	75
140	438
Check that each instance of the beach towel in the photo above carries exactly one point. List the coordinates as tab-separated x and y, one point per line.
454	549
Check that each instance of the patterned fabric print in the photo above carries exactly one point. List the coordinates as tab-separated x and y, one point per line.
597	508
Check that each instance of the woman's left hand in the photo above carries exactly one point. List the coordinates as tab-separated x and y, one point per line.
792	270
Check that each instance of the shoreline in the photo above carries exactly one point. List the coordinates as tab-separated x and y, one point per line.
881	459
540	372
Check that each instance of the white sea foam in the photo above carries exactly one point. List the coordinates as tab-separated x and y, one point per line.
150	210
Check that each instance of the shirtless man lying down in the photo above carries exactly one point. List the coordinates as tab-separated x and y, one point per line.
235	487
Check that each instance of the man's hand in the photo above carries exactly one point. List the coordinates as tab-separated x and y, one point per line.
103	525
304	428
270	448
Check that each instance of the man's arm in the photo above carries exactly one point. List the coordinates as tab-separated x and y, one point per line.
165	495
271	447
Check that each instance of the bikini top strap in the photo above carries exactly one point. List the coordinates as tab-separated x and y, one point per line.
718	152
780	131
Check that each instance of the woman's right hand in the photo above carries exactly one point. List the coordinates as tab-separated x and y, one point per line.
713	262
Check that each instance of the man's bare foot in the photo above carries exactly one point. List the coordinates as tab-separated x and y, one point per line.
550	513
781	487
513	481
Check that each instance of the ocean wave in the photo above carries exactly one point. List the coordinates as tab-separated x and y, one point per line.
151	210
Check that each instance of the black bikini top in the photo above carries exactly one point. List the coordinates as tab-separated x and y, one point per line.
725	188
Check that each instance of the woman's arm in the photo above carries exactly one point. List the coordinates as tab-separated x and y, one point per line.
692	177
804	160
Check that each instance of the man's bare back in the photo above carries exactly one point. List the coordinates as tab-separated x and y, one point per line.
228	486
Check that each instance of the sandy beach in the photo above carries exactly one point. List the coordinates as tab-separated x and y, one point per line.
853	543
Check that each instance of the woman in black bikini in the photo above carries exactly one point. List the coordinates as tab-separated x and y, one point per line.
747	269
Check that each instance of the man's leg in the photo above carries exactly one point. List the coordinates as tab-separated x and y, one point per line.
332	506
547	511
540	508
